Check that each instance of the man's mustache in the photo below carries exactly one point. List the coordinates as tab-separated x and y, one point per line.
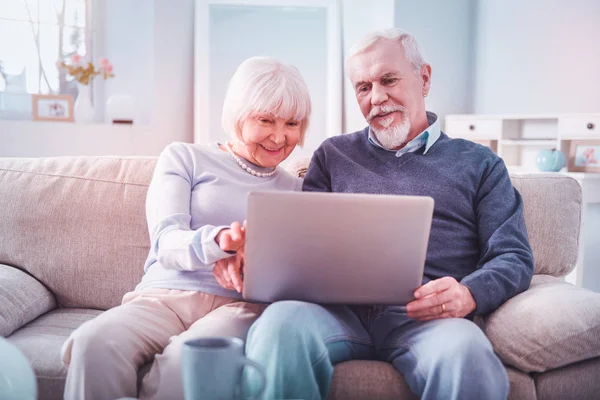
385	109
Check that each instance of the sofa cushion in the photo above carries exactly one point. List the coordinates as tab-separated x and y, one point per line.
573	382
41	340
22	299
362	379
550	325
522	386
552	210
77	224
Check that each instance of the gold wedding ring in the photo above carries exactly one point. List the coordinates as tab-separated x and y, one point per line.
443	308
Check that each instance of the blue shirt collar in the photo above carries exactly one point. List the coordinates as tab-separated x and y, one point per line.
429	136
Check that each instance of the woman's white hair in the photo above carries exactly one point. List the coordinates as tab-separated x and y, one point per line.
264	84
412	50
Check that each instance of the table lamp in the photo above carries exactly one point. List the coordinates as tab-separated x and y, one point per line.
17	380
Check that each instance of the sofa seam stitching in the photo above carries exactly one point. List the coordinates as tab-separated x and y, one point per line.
75	177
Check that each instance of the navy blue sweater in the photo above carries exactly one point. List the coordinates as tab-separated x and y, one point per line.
478	234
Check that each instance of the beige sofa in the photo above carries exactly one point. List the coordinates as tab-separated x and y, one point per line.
73	240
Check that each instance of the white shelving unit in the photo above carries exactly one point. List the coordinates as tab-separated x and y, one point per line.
56	139
518	139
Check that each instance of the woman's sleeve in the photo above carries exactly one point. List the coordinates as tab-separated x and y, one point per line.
175	244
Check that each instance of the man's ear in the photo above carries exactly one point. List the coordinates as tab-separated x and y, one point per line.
426	77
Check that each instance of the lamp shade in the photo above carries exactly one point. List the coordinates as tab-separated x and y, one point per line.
17	380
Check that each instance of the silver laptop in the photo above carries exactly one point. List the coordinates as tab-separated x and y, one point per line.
334	247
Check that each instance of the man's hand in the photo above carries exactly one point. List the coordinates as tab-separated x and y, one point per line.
441	298
228	272
232	238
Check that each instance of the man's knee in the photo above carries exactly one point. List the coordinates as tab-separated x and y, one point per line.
286	328
456	357
463	339
284	318
466	347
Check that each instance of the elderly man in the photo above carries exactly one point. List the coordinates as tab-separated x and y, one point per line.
478	255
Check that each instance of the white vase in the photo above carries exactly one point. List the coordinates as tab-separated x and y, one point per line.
83	110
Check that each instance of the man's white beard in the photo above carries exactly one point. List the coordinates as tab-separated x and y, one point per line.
394	136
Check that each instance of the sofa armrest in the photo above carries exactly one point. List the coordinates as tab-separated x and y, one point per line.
550	325
22	299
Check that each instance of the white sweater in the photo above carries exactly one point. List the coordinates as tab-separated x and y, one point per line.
196	191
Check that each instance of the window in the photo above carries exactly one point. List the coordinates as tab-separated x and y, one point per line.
34	35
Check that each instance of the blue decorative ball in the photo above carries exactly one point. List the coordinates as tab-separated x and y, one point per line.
17	380
550	160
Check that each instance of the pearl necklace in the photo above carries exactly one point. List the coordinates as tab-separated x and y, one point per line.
246	167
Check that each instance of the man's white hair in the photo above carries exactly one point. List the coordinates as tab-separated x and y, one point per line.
412	50
264	84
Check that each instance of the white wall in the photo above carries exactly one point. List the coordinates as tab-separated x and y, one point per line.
151	42
130	47
172	106
445	30
152	46
538	56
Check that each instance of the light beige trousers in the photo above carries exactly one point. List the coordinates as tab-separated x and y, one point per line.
104	354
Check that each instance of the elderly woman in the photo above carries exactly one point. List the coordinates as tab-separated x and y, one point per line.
195	207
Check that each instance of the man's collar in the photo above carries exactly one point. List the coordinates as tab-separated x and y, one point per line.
429	136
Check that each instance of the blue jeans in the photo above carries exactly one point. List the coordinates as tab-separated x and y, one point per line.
299	343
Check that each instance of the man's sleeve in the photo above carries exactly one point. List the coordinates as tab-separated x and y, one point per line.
317	178
506	264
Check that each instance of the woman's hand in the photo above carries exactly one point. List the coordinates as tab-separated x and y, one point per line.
233	238
228	272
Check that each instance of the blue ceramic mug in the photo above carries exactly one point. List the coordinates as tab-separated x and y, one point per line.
212	369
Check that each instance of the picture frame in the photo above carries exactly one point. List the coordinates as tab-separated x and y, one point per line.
49	107
584	155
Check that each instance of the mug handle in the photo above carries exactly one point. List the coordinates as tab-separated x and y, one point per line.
263	377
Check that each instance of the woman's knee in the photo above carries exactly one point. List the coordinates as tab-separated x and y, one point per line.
163	380
93	340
